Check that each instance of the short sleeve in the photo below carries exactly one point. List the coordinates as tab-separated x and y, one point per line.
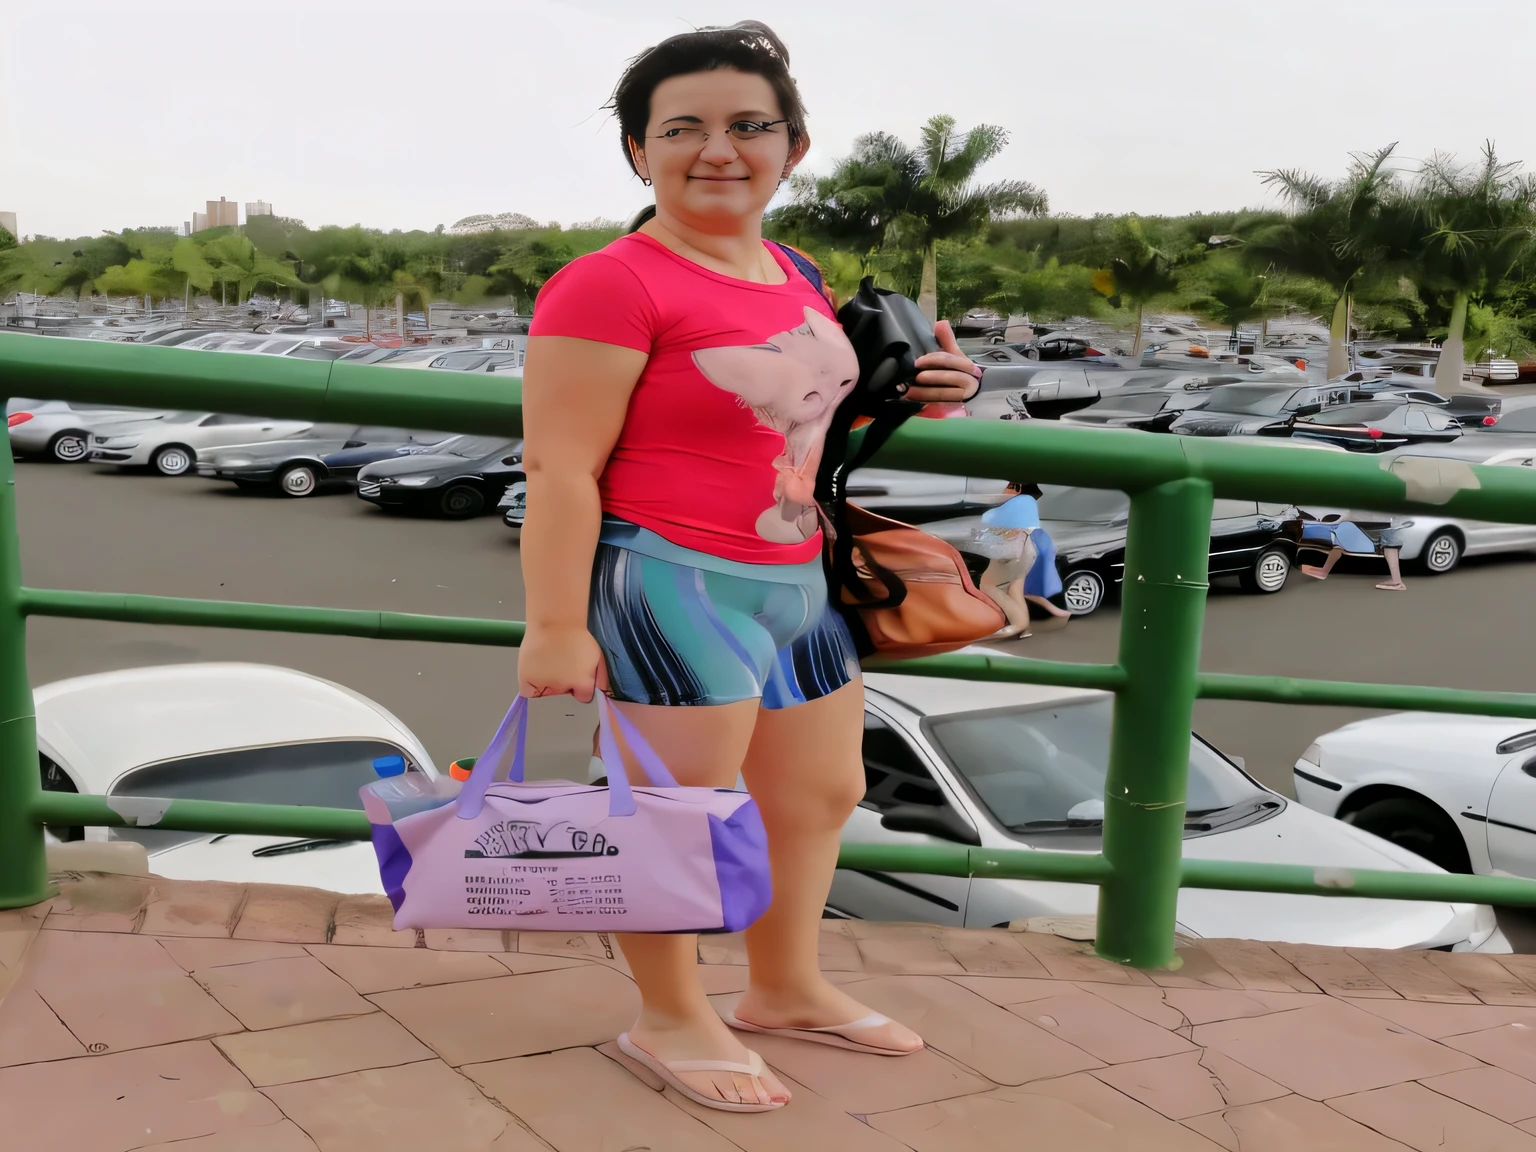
596	297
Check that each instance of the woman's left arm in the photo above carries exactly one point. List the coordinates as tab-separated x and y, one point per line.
947	376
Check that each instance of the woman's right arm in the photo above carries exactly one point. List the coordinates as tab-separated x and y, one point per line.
575	396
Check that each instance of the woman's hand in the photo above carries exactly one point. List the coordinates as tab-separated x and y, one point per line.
559	661
948	376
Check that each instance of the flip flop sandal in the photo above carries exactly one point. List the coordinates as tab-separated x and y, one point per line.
669	1073
1387	586
835	1036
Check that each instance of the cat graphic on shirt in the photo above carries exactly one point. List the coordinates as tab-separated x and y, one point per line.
793	382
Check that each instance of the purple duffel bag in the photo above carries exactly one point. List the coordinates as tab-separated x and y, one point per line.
554	856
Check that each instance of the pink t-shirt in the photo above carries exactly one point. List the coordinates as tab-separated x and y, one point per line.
724	432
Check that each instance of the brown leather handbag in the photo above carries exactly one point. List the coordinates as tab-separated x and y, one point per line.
905	593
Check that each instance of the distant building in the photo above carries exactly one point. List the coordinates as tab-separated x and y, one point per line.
259	208
186	228
222	213
199	221
8	222
501	222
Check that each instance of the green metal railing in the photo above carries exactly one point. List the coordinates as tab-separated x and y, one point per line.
1171	482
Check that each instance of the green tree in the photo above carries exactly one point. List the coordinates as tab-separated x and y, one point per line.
1046	289
888	195
1143	267
1225	289
1337	232
1474	227
7	241
526	263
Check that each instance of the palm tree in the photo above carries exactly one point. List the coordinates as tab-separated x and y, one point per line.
1475	226
1337	233
886	193
1140	270
1230	293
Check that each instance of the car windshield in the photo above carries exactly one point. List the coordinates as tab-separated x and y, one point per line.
324	774
1355	414
1250	401
473	447
1039	768
1090	504
1137	402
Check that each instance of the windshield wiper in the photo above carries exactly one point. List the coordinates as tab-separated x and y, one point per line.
289	847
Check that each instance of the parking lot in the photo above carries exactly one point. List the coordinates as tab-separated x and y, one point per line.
96	529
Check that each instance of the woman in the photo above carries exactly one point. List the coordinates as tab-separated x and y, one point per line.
1016	582
1345	536
677	387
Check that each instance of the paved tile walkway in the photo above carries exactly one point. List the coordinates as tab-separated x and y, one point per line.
139	1013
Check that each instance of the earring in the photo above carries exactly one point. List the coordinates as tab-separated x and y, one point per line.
646	181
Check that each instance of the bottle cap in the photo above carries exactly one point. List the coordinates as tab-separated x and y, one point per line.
389	765
460	769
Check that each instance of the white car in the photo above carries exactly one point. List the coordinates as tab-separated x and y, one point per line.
61	429
1023	767
1458	790
170	445
244	732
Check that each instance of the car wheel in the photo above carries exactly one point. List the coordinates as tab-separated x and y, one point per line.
172	460
300	480
1415	824
68	447
1268	573
461	501
1082	592
1442	552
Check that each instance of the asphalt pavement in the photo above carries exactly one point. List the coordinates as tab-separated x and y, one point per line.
96	529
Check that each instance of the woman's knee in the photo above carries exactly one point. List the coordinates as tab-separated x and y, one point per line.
817	801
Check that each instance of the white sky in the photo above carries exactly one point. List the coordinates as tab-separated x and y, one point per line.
408	115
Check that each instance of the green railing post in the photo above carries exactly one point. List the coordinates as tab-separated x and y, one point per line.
1163	610
23	865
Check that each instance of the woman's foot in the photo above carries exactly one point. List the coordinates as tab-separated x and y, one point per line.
673	1042
832	1011
1392	586
1313	571
1005	633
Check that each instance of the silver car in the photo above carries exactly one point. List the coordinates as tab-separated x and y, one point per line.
61	430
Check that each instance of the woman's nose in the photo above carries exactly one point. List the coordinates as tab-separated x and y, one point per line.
719	149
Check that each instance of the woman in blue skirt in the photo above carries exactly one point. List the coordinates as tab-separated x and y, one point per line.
1030	577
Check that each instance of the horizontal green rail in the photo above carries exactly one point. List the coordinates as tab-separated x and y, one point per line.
132	609
66	809
49	367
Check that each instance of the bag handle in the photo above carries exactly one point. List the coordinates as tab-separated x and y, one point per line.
503	759
505	755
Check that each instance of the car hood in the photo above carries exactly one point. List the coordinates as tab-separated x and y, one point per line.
426	464
350	868
357	457
1082	536
1298	835
271	451
130	427
1204	423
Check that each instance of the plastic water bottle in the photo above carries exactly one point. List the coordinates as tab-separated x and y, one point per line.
405	793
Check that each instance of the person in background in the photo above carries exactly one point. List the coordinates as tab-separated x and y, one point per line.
1016	582
1345	536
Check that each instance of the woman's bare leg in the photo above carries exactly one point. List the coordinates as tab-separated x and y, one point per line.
1014	610
805	768
1322	573
1047	605
1395	584
705	747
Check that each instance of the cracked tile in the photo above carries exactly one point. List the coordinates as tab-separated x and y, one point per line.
1412	976
481	1020
203	909
1289	1124
836	948
18	929
1329	1049
93	902
193	954
970	1030
1189	1084
123	1100
1335	971
404	1109
469	940
272	993
1071	960
1100	1028
1512	1047
1196	969
284	1136
1430	1122
1077	1112
550	1094
29	1030
806	1122
369	920
1006	991
147	1000
1501	1094
598	946
370	969
1205	1005
1485	977
1151	1004
991	953
903	950
1438	1021
1257	966
286	915
322	1048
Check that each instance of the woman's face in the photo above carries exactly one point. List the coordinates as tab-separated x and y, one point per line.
713	183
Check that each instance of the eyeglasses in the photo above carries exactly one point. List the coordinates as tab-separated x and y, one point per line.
741	131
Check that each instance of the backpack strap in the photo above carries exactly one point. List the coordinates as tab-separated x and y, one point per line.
806	268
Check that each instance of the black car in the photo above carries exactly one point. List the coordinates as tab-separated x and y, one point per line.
1379	425
1045	391
352	459
1088	527
1264	409
1151	408
1058	346
300	467
467	477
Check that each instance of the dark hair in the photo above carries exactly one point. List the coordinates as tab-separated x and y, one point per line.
749	46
